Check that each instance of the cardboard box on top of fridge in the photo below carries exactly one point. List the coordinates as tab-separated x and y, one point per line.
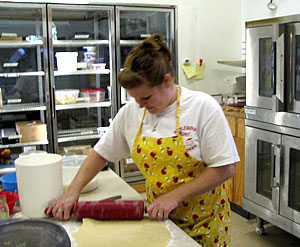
31	131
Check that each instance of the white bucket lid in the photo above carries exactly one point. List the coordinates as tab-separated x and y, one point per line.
38	160
66	54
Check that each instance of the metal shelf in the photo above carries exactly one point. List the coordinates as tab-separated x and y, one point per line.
76	43
23	107
82	72
83	105
19	74
131	42
19	43
16	145
77	135
241	64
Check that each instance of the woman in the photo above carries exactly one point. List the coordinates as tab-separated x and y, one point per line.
179	139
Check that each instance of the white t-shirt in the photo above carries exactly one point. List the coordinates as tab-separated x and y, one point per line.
203	125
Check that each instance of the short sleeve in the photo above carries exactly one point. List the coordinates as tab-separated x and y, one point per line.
113	145
216	141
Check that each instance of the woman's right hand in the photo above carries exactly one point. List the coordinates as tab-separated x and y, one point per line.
61	209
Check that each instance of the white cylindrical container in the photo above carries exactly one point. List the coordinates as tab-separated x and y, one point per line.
39	180
66	61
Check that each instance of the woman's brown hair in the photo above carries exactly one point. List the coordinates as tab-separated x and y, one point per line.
147	63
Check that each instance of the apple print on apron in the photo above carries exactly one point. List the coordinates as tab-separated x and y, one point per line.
166	164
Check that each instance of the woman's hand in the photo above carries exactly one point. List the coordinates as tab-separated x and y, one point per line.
61	209
162	206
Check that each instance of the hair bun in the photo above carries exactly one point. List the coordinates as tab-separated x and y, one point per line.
148	45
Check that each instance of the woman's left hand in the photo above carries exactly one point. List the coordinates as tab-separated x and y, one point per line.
162	207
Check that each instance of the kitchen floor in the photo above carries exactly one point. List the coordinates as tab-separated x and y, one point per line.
244	235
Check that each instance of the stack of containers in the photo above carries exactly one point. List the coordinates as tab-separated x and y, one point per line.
93	95
89	53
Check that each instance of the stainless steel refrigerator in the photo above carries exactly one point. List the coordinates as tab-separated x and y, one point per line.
59	64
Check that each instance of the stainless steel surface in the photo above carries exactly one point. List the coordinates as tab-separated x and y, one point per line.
280	68
284	119
273	218
253	97
272	122
252	168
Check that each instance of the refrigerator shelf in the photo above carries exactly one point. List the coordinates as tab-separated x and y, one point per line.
16	44
83	72
77	138
77	134
16	145
19	74
78	43
130	42
83	105
23	107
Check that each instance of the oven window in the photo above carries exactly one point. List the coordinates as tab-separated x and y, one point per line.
297	69
263	184
265	67
294	179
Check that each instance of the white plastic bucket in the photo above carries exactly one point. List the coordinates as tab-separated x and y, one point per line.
39	180
66	61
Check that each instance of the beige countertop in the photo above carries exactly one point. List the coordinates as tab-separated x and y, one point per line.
110	184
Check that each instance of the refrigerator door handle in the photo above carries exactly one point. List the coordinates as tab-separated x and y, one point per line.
275	165
280	68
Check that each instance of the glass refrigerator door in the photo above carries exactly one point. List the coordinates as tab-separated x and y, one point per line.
260	62
23	79
82	81
134	24
290	196
262	167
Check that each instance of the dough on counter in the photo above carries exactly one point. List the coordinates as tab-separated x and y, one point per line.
116	233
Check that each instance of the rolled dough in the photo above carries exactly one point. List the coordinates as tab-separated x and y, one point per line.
116	233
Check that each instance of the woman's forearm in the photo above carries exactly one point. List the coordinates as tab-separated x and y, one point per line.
89	169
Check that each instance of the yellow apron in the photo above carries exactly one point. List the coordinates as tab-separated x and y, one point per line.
166	164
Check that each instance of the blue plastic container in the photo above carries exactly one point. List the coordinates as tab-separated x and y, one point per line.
9	182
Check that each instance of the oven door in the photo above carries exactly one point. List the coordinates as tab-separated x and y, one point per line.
260	67
293	67
290	193
262	167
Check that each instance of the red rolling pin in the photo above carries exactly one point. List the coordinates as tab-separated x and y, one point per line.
109	210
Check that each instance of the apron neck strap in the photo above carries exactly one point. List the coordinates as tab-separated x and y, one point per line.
177	112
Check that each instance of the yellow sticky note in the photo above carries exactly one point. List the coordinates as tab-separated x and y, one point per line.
189	70
200	71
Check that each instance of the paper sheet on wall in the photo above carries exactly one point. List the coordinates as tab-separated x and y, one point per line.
189	70
200	71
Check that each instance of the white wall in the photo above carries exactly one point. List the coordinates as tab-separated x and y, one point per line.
210	30
257	9
219	37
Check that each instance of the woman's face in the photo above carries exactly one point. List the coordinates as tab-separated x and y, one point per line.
154	99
